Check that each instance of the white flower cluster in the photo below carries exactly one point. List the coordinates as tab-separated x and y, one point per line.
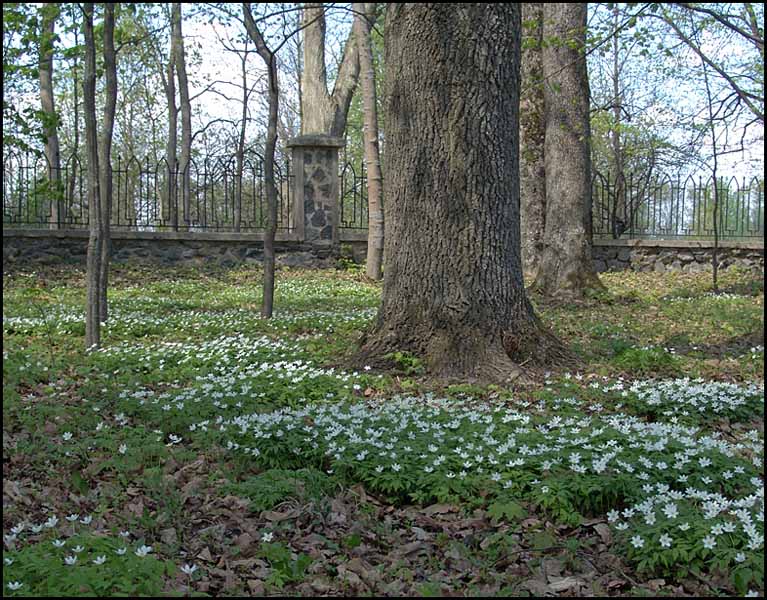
685	396
497	441
721	515
59	321
224	352
676	398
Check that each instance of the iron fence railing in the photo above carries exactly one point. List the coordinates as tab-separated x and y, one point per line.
225	196
147	195
665	207
353	200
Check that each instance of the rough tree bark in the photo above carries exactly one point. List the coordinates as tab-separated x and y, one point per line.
105	154
93	259
322	111
365	14
532	172
49	13
185	155
566	269
453	290
270	61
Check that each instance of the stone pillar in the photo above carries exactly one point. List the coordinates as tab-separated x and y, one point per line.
316	189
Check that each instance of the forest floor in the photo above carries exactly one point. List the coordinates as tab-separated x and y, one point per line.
206	451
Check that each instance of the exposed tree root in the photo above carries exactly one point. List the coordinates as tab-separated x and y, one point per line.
468	356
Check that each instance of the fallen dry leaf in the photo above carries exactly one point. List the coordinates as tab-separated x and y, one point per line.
604	533
205	555
276	516
435	509
563	584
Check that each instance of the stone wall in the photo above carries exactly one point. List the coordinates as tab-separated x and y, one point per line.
42	246
674	255
190	249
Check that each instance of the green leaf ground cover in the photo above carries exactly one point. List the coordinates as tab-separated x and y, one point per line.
251	450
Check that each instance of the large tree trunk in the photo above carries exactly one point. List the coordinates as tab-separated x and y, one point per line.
322	111
105	155
566	268
363	25
49	13
93	313
453	290
532	128
184	166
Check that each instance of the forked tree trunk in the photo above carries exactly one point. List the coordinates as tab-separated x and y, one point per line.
453	290
532	128
49	13
566	269
93	259
323	111
363	22
105	155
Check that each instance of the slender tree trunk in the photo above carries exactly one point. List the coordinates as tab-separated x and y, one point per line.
620	215
171	146
323	111
715	176
93	313
271	193
105	156
130	203
566	269
363	25
300	80
49	14
270	60
186	115
74	164
72	161
532	128
453	291
241	143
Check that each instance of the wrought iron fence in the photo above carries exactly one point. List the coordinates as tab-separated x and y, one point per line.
658	207
665	207
148	195
353	201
